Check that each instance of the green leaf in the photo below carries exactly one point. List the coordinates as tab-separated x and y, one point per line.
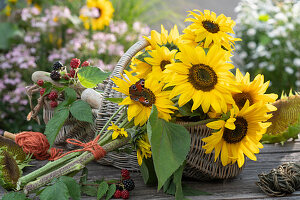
8	32
102	189
48	87
169	187
90	77
111	191
170	144
14	196
82	111
73	187
89	190
144	55
70	95
55	124
148	172
84	175
56	191
115	100
177	181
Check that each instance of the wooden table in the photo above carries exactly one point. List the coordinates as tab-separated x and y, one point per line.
241	187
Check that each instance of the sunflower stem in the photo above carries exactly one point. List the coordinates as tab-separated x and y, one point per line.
203	122
110	119
108	134
45	169
75	165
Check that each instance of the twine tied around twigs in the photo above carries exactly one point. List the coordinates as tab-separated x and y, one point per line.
281	181
91	146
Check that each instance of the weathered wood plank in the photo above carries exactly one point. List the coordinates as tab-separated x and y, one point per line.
241	187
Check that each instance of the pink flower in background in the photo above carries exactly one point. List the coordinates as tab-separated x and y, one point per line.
118	27
115	49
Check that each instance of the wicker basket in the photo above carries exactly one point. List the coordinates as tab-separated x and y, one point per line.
199	165
72	128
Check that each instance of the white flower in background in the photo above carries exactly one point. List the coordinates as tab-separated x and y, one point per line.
262	64
290	26
276	42
251	32
243	55
297	63
271	68
298	83
289	70
281	17
251	45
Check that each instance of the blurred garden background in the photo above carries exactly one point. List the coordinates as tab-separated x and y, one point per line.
36	33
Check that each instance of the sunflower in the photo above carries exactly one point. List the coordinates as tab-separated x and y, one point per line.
171	40
142	69
160	58
152	94
143	148
253	91
239	135
104	14
117	131
205	78
211	28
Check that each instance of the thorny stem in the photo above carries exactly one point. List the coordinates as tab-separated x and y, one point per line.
75	165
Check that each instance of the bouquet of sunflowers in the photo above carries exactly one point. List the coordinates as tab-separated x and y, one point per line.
179	82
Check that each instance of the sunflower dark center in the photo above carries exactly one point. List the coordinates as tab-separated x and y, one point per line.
202	77
236	135
211	26
163	64
10	168
241	98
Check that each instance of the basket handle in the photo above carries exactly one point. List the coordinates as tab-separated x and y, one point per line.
128	55
106	108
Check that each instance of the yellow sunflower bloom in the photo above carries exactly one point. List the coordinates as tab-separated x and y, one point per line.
140	104
160	58
239	135
169	40
117	131
205	78
143	149
104	10
253	91
207	26
142	69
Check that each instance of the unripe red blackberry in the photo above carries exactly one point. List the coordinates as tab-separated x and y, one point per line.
85	64
125	194
57	66
117	194
75	62
128	184
42	91
125	174
40	82
72	73
53	104
52	95
55	75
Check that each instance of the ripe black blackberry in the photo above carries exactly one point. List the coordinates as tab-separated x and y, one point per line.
55	75
128	184
57	66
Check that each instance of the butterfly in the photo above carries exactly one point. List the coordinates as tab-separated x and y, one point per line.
138	93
